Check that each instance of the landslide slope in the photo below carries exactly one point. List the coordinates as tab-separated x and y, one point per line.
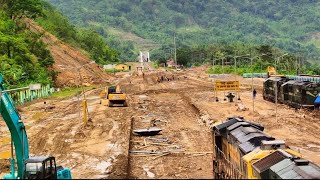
68	59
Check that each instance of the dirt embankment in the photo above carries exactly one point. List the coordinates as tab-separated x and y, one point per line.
67	59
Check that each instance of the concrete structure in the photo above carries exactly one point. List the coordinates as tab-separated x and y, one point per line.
122	67
144	57
144	60
109	66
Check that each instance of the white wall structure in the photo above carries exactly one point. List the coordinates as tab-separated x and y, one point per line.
144	57
109	66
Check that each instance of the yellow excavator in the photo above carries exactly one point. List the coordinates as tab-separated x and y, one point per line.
114	96
272	72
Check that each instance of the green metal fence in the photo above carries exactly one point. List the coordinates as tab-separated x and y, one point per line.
23	95
255	75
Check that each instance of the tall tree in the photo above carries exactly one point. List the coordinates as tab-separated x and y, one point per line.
18	8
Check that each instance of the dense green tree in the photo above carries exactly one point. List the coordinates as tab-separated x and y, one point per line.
23	57
286	24
89	39
17	8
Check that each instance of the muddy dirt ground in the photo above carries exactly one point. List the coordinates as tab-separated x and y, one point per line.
183	108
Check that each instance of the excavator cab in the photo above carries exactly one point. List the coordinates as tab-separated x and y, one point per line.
27	168
44	168
116	96
113	90
40	168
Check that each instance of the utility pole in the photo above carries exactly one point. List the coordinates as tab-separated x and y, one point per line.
252	83
213	59
223	65
235	74
235	65
296	65
276	85
251	58
175	48
84	102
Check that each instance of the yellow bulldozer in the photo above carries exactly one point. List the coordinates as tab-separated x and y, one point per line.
113	96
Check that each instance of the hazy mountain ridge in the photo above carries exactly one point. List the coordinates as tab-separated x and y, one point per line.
287	24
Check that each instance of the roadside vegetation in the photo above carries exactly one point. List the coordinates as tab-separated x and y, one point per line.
69	92
24	58
226	57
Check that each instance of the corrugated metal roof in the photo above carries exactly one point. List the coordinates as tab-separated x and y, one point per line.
268	161
311	171
281	165
288	168
290	174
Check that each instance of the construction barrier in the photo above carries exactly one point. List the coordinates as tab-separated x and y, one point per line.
227	85
30	93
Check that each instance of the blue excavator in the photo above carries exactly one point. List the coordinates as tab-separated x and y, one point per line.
41	167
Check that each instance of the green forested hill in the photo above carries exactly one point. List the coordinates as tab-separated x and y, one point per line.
292	25
24	58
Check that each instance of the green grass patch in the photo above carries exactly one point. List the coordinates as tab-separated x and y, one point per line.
242	70
69	92
112	71
154	65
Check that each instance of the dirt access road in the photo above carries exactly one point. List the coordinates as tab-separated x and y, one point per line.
184	109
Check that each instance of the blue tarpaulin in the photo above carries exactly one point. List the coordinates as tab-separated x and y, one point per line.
317	101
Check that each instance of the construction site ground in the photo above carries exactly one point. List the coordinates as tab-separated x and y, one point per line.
184	108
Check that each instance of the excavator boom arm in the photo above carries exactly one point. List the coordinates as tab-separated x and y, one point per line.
16	128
